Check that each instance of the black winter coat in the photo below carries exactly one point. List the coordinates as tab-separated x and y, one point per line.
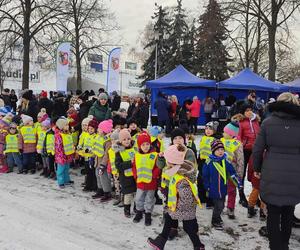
32	110
141	115
127	183
276	154
115	105
47	104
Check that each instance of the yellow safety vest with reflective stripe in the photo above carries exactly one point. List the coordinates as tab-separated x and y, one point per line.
221	170
38	127
50	146
112	159
68	144
205	148
172	195
41	140
11	144
75	135
134	138
231	145
88	142
144	165
29	134
190	143
128	155
98	145
81	138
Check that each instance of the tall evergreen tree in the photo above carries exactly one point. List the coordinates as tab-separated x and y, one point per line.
211	53
188	50
179	29
161	29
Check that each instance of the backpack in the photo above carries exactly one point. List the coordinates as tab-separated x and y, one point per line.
222	112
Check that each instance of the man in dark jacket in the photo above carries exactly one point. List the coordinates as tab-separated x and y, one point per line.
276	158
6	97
163	107
116	101
44	102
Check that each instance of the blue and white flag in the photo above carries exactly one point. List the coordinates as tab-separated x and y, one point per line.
113	70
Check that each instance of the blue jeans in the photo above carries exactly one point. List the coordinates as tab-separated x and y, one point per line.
14	159
28	161
62	173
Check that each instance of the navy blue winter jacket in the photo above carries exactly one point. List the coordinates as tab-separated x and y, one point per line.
162	106
213	181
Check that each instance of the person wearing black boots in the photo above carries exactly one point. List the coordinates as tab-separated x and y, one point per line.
182	198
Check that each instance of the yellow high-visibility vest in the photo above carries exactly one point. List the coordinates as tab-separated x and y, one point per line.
11	144
38	127
112	160
144	165
75	135
128	155
165	179
29	134
50	146
172	195
67	144
162	147
98	145
205	148
41	140
87	144
231	145
81	138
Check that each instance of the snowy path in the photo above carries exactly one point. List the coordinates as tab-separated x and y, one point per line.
35	214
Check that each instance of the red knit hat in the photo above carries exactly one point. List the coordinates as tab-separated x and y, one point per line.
44	94
143	137
93	123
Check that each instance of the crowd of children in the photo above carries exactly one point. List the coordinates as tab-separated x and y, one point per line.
122	162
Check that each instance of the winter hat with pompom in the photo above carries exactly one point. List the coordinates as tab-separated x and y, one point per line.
175	155
26	119
93	123
62	122
106	126
86	121
215	145
43	114
232	129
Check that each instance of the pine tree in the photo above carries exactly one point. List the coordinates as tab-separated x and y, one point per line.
211	53
179	29
161	29
188	50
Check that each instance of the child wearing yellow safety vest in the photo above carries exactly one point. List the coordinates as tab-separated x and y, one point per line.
114	137
182	198
210	134
12	153
157	136
217	171
89	158
49	150
64	151
4	127
146	174
100	149
41	146
27	144
235	155
123	162
42	116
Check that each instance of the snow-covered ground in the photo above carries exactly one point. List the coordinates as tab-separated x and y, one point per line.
35	214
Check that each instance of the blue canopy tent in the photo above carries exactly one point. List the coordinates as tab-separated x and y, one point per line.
183	84
294	86
247	80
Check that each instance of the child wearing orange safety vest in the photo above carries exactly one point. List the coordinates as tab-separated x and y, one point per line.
27	144
64	151
146	174
182	198
123	162
11	152
100	149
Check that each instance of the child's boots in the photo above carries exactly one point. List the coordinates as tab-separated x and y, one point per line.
138	217
158	243
148	219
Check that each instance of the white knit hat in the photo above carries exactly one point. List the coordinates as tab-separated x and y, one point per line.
26	119
61	122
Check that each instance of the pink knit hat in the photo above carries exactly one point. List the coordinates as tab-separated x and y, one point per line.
173	155
106	126
124	134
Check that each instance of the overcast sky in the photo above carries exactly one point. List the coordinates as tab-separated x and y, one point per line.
133	15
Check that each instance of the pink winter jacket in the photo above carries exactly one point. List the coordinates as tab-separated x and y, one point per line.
194	108
60	157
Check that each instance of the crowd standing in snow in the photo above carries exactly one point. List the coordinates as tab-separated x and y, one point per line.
123	159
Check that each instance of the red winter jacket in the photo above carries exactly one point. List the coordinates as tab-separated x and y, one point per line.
194	108
155	177
248	132
254	181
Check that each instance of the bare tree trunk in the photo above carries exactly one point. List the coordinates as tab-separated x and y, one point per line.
247	52
258	42
272	53
26	44
78	62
